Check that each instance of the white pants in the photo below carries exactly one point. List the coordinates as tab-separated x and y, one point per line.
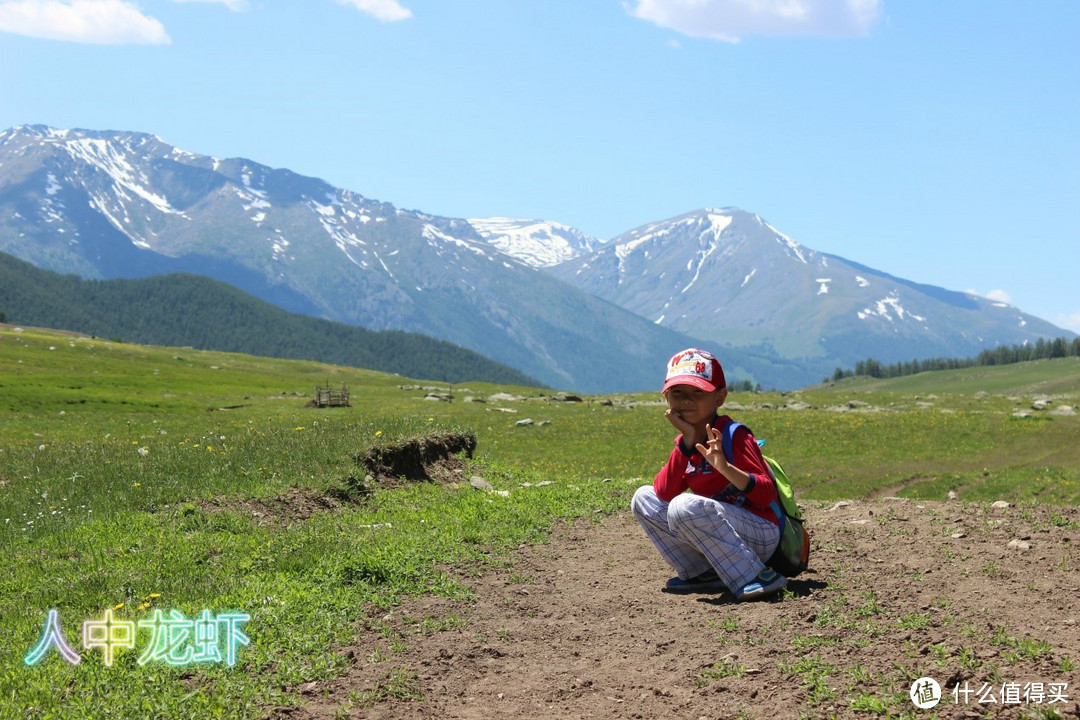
694	532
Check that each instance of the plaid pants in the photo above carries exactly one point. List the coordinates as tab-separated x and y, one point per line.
694	532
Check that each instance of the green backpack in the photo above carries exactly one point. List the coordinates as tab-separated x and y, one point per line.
792	555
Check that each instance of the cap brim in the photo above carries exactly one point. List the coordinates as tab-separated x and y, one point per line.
695	381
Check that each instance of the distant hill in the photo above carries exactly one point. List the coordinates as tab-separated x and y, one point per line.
1056	377
190	310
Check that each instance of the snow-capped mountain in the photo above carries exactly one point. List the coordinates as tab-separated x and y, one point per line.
117	204
730	278
538	243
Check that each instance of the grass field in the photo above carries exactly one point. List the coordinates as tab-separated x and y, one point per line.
137	479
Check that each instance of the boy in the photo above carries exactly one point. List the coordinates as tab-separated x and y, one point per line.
720	533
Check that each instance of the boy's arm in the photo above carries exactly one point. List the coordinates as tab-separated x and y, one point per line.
747	472
671	480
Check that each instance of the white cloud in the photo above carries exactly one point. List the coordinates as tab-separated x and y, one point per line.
996	295
385	10
1069	321
234	5
98	22
729	20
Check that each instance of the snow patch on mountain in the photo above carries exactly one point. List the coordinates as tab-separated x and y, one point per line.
537	243
435	236
886	308
104	156
793	248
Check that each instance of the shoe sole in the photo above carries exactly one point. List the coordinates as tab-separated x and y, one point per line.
709	587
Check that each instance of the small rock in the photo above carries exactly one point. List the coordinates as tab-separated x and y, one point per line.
1064	410
441	397
841	504
542	423
504	397
524	422
953	495
958	535
1000	505
1040	404
563	397
1021	414
1018	544
480	483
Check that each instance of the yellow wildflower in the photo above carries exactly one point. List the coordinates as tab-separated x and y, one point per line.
118	606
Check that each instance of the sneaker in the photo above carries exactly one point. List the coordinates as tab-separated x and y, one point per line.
707	581
768	582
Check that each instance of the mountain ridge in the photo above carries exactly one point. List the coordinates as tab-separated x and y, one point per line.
127	205
728	276
110	205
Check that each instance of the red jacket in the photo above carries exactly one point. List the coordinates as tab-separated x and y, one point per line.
691	471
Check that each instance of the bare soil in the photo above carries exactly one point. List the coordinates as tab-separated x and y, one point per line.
898	590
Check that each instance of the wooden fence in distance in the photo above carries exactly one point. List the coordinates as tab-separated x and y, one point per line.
331	397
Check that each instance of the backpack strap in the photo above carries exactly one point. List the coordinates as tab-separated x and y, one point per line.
727	439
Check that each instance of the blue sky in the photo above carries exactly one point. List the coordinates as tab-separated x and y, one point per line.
937	141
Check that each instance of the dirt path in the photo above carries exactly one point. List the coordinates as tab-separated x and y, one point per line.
899	589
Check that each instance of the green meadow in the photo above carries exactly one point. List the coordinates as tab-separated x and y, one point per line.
169	482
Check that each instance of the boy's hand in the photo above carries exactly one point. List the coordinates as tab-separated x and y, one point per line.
714	451
675	418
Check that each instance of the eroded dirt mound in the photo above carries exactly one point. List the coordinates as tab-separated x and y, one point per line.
980	598
288	508
425	459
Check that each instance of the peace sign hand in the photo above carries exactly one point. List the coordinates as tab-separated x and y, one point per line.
714	451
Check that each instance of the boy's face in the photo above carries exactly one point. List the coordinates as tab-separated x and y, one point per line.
692	404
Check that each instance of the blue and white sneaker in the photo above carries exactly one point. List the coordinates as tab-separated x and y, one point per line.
768	582
707	581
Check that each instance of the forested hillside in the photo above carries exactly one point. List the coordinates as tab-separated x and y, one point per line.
189	310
